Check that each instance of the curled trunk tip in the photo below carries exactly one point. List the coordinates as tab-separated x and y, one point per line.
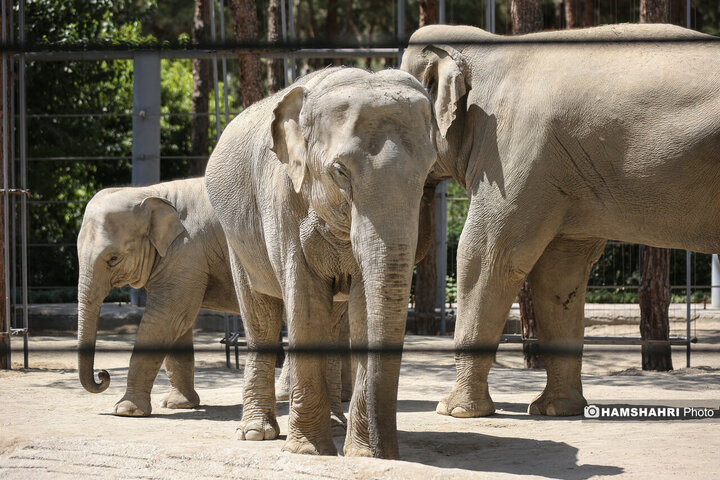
94	387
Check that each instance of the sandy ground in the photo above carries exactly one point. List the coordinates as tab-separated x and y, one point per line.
51	428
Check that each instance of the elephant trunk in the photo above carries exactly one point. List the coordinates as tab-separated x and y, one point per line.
386	261
88	317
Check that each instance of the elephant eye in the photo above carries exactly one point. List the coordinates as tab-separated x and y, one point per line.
340	176
112	261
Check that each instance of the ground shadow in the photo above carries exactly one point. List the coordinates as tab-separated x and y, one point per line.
486	453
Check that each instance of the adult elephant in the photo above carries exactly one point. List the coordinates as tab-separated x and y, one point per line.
316	185
563	140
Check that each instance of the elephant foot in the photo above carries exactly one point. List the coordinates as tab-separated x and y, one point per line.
356	449
133	407
304	446
462	403
175	399
258	429
338	424
566	403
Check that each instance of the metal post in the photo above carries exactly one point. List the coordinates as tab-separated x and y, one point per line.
224	64
146	129
283	28
687	299
441	249
490	16
213	38
5	350
291	36
441	12
687	10
715	282
23	184
400	28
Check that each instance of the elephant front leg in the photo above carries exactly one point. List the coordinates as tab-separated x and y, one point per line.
310	329
558	282
262	319
152	344
180	367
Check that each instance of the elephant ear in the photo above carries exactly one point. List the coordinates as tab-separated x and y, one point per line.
288	141
447	77
164	224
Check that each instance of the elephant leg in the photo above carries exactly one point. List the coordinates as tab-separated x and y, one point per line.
308	319
495	254
154	340
357	439
559	281
333	379
283	383
180	367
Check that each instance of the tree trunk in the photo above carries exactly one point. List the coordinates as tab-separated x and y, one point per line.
276	69
654	11
654	297
429	12
526	16
246	29
654	292
570	14
589	13
200	99
426	283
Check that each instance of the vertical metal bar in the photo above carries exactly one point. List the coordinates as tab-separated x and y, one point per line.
224	64
213	37
145	129
490	16
291	36
687	8
283	24
23	180
715	282
687	299
441	12
400	27
6	195
441	249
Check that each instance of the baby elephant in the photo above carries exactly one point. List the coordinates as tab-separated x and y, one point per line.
167	239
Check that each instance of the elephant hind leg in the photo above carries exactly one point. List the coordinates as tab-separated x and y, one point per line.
180	367
494	257
559	281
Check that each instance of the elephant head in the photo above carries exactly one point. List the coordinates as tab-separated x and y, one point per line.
122	232
359	147
446	75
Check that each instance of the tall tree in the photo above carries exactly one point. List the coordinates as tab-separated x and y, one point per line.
275	65
570	13
426	275
245	23
527	17
429	12
589	13
200	99
654	291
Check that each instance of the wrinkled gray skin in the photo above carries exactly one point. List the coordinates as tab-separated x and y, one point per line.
167	239
561	147
314	185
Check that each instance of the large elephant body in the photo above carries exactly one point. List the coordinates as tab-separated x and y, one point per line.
165	238
564	140
315	185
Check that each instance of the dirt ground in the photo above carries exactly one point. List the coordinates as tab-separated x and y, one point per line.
51	428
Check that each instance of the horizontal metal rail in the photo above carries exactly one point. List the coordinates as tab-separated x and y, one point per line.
591	340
